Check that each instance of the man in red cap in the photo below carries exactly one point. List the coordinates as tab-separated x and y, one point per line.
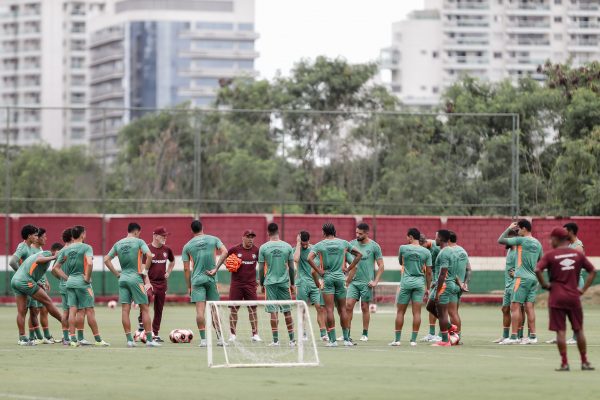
158	274
243	282
564	267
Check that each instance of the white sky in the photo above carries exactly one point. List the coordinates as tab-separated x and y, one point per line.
354	29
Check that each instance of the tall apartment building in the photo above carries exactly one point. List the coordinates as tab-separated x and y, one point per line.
488	39
155	54
43	62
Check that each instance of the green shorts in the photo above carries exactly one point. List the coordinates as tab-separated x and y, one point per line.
408	294
335	286
525	291
64	301
278	292
507	298
80	297
206	291
24	287
131	288
449	293
359	291
310	294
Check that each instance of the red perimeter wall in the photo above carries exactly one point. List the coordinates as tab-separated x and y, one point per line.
477	234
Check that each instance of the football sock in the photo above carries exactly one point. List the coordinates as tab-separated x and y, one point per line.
520	333
365	332
66	334
38	333
73	338
513	336
291	334
275	336
346	333
202	334
129	337
80	334
331	334
31	334
532	336
445	336
563	358
505	332
432	329
398	335
323	332
148	337
47	334
413	336
23	338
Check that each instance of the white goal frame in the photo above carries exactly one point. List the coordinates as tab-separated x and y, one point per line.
300	307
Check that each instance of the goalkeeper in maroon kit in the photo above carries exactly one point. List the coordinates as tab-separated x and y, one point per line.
564	267
241	262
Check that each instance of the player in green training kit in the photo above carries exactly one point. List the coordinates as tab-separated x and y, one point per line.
276	274
25	283
445	288
77	260
308	284
201	283
509	283
362	279
434	250
332	257
415	261
529	252
463	276
132	287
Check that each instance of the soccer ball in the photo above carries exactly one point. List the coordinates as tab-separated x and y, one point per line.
112	304
187	335
181	336
454	339
175	336
373	308
141	336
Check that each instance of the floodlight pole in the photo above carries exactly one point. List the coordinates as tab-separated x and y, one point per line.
7	192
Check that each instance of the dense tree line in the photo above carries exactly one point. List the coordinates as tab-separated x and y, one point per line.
370	155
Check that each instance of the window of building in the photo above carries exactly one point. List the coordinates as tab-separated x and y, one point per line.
77	62
435	89
558	36
77	98
78	27
246	45
435	54
207	82
77	133
246	27
497	54
557	2
78	115
423	88
423	52
77	45
558	20
213	44
77	80
214	63
246	64
215	26
203	100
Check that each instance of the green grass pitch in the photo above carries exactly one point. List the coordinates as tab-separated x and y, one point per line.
476	370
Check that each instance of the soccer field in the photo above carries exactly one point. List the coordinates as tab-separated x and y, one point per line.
476	370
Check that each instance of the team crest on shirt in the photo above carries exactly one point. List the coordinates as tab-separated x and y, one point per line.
240	255
254	256
165	254
153	255
567	264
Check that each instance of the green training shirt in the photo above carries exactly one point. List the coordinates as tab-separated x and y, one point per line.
511	264
200	250
371	252
276	255
30	268
332	255
529	252
129	251
413	259
462	260
75	265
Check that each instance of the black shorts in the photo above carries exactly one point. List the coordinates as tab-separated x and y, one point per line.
558	318
242	292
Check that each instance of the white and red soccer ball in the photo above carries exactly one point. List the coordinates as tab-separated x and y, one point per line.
454	339
181	336
112	304
141	336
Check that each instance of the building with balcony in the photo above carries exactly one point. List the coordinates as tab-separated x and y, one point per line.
487	39
157	54
43	62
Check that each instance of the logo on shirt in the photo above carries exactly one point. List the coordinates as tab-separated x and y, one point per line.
165	254
153	255
567	264
240	255
254	256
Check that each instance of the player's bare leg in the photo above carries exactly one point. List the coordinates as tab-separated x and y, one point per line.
321	316
505	324
253	320
43	313
289	323
147	322
516	322
125	311
561	343
275	328
344	321
43	298
454	316
432	322
233	319
520	333
399	323
366	319
530	313
21	316
34	324
330	318
416	323
90	313
444	322
350	303
582	347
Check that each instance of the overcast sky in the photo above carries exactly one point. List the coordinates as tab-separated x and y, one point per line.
294	29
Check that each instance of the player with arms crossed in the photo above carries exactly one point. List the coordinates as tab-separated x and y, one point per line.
132	287
276	274
445	288
564	266
362	279
201	282
415	262
308	284
78	261
332	257
529	252
243	281
25	284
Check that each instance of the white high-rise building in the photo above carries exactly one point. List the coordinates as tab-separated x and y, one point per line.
156	53
488	39
43	62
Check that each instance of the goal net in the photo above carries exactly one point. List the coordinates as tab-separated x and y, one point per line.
258	334
384	298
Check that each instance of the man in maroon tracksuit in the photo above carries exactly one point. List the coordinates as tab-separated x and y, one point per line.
158	274
564	267
243	282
